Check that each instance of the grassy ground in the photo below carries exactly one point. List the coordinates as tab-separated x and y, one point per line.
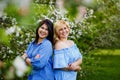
105	66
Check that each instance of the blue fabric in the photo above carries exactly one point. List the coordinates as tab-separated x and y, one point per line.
62	58
42	67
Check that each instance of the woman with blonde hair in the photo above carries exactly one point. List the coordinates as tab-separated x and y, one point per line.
67	57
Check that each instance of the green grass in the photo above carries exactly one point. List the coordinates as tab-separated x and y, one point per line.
105	66
107	52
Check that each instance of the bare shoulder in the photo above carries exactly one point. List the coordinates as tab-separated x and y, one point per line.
71	42
63	44
58	45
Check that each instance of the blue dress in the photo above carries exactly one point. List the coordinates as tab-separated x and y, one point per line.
62	58
42	68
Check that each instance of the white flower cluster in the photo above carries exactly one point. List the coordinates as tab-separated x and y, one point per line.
13	29
20	66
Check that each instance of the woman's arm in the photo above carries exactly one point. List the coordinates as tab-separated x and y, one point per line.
78	62
75	65
25	56
26	59
40	60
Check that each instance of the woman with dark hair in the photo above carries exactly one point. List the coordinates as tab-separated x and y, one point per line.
39	53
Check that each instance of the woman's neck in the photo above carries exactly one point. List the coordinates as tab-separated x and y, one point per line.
39	40
63	39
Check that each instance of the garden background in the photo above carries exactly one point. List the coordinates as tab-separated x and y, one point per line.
95	28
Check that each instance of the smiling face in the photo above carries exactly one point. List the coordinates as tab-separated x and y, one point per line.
63	31
43	31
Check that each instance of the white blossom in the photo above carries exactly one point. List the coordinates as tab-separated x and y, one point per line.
18	29
36	1
91	11
22	3
60	3
88	2
118	5
20	42
80	32
17	34
14	21
13	29
10	30
20	66
10	51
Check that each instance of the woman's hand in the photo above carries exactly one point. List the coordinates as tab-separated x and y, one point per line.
74	66
24	56
37	56
28	61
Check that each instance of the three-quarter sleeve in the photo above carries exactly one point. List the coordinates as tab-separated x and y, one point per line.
59	59
45	54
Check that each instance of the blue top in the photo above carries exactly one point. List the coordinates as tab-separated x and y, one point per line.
42	67
62	58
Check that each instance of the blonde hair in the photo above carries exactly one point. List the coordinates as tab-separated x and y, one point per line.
57	26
